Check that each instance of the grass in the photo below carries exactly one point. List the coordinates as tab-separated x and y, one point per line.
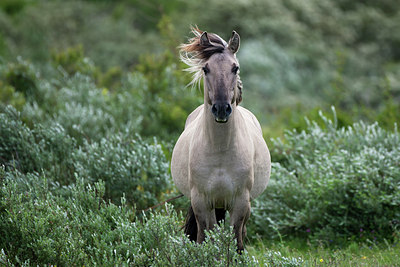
367	254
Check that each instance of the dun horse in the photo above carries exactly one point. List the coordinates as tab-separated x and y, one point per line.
221	161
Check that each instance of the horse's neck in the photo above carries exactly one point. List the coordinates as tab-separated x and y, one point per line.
220	136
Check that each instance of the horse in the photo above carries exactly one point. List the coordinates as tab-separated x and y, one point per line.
220	161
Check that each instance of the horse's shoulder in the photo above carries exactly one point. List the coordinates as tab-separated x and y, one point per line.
250	118
192	116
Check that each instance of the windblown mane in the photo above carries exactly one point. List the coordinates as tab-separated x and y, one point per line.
194	54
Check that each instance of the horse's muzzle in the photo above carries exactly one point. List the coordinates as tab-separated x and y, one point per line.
221	112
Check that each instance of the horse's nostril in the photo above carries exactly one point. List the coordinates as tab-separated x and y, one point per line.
214	109
228	109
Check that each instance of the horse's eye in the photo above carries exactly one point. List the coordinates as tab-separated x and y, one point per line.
205	70
235	69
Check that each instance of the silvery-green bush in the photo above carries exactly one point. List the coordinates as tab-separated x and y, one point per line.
40	227
46	149
86	111
152	100
330	184
126	164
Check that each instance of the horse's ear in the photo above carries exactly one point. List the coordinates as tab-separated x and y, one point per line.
234	42
204	41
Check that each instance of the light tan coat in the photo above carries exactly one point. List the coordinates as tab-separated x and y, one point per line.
221	159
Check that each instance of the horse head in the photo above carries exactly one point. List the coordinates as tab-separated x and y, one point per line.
215	61
220	78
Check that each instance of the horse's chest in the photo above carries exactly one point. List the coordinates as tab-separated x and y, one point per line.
221	176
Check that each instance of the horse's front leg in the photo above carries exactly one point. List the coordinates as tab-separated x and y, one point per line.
240	213
205	216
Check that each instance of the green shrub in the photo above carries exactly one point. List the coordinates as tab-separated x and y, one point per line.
3	47
168	101
72	60
9	96
22	76
43	228
388	115
133	167
86	111
41	149
38	227
331	184
56	153
83	110
286	77
13	7
112	79
152	101
17	143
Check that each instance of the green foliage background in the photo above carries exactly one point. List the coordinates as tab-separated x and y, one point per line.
93	97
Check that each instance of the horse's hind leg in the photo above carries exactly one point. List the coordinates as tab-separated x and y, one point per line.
239	216
191	225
